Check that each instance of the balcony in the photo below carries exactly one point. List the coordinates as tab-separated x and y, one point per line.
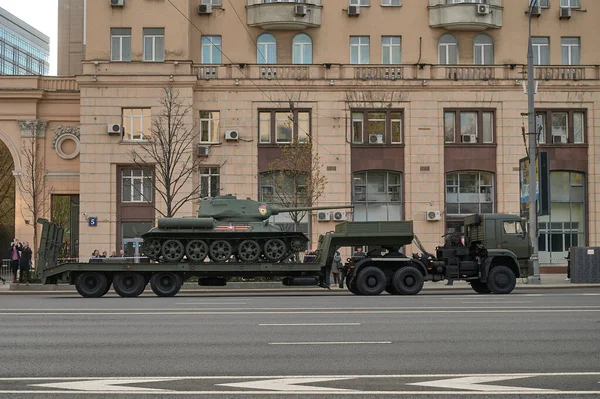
467	16
284	15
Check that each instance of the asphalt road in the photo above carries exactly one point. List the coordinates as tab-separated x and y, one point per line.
530	344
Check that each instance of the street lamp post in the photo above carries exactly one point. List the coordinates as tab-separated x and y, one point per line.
536	279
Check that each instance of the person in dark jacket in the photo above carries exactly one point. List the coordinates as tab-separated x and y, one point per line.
25	263
14	254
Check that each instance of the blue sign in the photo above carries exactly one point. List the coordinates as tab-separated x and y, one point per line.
93	221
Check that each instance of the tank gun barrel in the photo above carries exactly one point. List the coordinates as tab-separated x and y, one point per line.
276	210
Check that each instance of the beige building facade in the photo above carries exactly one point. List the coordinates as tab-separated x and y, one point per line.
415	108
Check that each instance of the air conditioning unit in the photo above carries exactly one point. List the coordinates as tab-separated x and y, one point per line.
300	10
375	138
205	9
339	216
433	215
483	9
469	138
559	138
536	11
323	216
203	150
232	135
354	10
114	128
117	3
565	12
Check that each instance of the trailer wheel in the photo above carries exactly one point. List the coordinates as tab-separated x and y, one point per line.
165	284
480	287
501	280
391	290
371	281
91	284
408	280
129	284
107	288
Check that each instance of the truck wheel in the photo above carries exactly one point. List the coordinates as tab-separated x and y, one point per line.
351	286
408	280
480	288
165	284
129	284
107	289
371	281
91	284
501	280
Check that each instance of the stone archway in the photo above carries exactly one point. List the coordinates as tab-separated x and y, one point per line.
7	199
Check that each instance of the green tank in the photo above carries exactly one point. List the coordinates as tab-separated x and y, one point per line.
226	227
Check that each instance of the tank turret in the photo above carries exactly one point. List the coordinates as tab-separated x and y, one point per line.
226	229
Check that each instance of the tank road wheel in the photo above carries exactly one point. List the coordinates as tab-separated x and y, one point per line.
371	281
196	250
129	284
480	288
298	244
151	247
408	281
220	251
173	250
91	284
501	280
165	283
248	250
275	249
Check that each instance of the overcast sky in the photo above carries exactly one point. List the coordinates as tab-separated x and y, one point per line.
42	15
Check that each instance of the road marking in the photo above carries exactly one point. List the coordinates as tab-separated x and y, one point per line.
476	384
495	302
108	385
331	343
289	384
310	324
211	303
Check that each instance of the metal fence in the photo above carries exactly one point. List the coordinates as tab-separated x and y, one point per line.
5	270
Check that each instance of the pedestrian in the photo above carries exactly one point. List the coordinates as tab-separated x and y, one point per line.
121	253
358	253
114	254
450	281
14	256
25	263
336	265
568	258
104	253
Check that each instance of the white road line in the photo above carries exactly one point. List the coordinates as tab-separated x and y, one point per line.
211	303
495	302
332	343
309	324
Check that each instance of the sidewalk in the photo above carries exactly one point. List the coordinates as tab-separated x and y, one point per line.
555	281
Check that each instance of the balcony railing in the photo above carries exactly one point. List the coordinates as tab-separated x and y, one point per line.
284	15
466	16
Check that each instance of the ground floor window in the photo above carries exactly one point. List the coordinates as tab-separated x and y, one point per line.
565	227
131	240
286	190
377	195
469	192
65	213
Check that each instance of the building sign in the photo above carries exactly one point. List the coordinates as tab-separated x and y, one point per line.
93	221
542	189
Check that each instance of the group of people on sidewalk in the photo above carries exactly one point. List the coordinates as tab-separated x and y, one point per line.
20	262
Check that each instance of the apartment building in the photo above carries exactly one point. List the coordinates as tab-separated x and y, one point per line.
416	108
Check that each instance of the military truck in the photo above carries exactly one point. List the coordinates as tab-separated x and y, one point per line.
494	253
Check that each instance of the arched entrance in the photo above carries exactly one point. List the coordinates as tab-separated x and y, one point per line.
7	199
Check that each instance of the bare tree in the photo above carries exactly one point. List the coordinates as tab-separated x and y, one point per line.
7	197
32	185
296	178
169	151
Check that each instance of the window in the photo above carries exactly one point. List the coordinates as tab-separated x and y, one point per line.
120	44
570	51
136	185
391	50
513	228
388	3
214	3
570	3
377	127
543	3
541	50
209	126
483	53
469	192
359	49
284	127
565	126
465	1
447	50
364	3
302	49
266	51
210	182
137	123
211	49
469	126
154	44
287	189
377	195
565	226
